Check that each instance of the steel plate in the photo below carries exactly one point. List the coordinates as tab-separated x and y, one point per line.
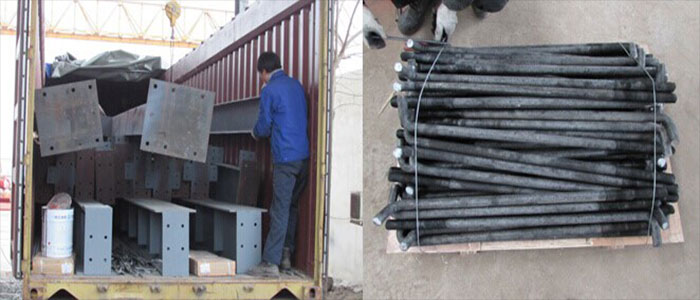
68	117
177	121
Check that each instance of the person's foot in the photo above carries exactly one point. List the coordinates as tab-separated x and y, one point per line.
456	5
478	12
265	269
286	259
412	17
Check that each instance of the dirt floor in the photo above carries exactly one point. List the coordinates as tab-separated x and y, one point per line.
671	31
10	288
343	293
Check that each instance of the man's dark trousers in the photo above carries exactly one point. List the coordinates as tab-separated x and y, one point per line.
288	181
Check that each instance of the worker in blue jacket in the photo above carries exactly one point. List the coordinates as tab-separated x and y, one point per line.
282	118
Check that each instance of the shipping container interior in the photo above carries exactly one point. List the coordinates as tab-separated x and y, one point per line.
225	64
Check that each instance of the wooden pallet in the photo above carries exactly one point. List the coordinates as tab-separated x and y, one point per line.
674	234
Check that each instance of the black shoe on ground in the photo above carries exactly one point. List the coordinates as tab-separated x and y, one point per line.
412	17
456	5
265	269
286	260
478	12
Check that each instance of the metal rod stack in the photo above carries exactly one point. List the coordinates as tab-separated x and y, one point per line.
530	142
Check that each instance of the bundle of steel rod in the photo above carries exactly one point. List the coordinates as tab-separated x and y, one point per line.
530	142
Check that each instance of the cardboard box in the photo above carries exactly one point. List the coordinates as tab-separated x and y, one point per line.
53	266
206	264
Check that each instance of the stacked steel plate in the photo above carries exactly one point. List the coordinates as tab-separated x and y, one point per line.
529	143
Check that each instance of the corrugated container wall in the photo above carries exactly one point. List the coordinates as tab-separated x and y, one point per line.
226	64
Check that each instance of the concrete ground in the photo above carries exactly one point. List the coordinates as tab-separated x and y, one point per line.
668	29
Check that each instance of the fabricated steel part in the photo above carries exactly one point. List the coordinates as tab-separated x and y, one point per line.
519	57
638	84
521	168
68	117
555	232
537	158
177	120
639	205
491	89
622	49
518	199
461	102
503	135
490	223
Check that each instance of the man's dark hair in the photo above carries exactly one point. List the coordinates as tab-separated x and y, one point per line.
268	61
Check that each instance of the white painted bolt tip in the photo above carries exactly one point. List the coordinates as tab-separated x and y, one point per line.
410	43
398	67
397	87
377	221
661	162
398	152
409	190
664	225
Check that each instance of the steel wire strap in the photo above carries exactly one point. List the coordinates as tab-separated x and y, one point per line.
654	162
415	146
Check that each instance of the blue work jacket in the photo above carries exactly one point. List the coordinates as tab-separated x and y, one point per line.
283	116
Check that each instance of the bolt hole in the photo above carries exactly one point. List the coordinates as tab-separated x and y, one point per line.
105	260
155	86
105	237
202	96
165	146
241	224
51	148
168	249
72	90
89	86
90	259
91	236
147	143
167	225
241	246
44	94
97	140
182	248
255	246
255	224
173	90
182	225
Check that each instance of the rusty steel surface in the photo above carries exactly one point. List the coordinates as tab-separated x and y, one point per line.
138	176
42	191
68	117
121	155
62	175
227	66
85	174
105	176
177	120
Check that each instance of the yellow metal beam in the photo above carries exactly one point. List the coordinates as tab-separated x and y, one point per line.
33	55
43	287
321	147
94	37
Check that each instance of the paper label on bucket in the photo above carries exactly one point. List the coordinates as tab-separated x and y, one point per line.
59	232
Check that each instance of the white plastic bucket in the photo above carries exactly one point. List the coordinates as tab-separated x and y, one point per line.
57	240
